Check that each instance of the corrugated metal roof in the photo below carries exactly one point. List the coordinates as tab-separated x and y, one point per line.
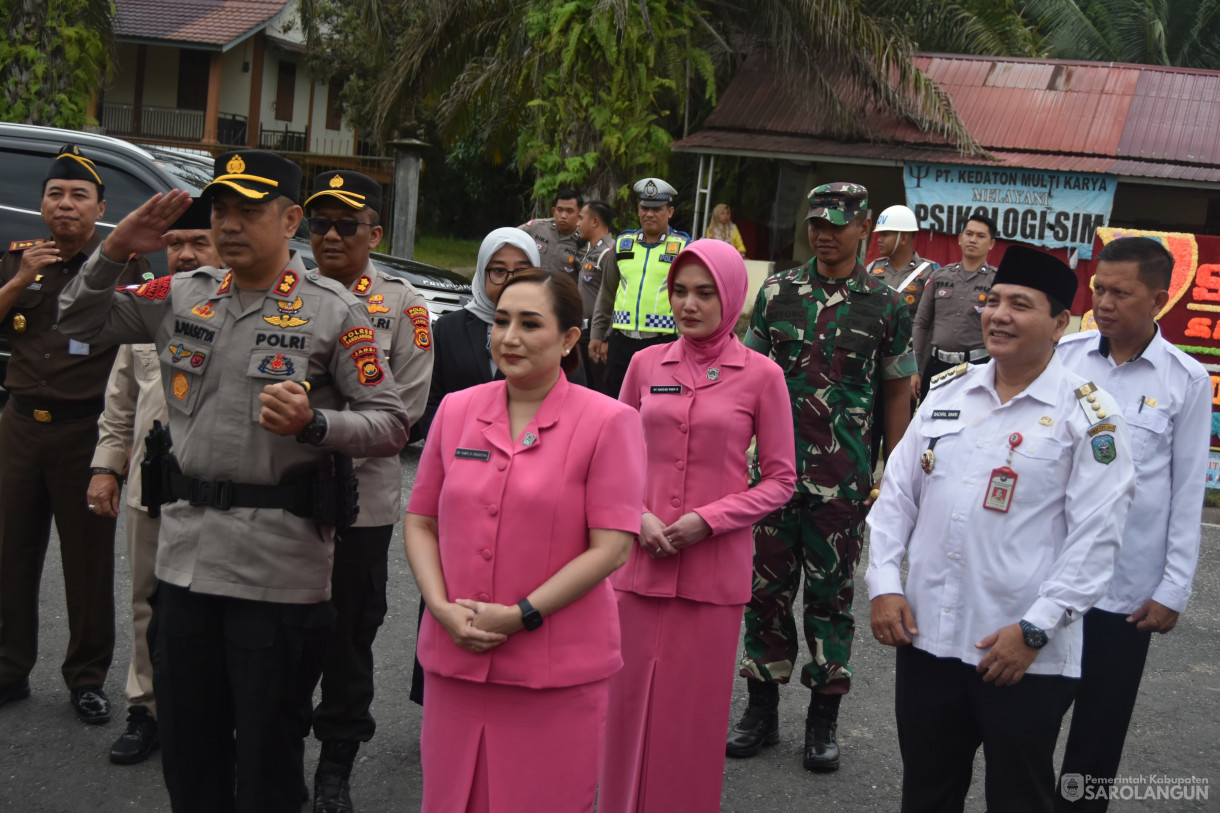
200	22
1134	120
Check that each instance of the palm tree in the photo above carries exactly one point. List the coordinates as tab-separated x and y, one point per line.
1185	33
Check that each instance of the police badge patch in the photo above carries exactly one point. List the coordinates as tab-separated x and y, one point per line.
368	366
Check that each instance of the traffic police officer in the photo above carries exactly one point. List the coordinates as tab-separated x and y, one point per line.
241	615
1007	498
46	442
635	300
558	237
843	340
947	324
344	227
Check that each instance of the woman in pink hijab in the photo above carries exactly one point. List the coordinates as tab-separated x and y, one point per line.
702	399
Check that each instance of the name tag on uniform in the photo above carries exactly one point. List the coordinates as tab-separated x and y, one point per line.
674	390
946	414
76	348
472	454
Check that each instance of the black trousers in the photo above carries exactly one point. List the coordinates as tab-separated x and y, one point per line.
618	358
1111	666
358	585
945	711
235	681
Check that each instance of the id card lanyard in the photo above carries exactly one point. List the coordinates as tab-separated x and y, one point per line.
1003	482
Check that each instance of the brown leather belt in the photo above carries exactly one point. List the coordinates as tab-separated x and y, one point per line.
56	411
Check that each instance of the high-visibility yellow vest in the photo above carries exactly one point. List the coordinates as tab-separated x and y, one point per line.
642	299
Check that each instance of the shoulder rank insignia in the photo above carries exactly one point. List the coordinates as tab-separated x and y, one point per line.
940	379
363	284
22	245
288	314
1095	403
225	284
287	284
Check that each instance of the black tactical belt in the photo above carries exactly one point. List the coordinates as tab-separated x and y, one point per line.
226	494
55	411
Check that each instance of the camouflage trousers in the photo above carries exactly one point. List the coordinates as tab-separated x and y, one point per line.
821	540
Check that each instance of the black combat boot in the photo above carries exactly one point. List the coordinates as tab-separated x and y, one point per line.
331	793
821	747
759	726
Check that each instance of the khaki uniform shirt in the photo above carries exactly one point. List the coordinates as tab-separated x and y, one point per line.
557	252
599	257
404	332
950	312
134	399
46	365
216	358
882	269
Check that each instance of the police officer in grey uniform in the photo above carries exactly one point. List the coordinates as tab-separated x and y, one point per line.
596	223
947	325
558	237
241	614
344	227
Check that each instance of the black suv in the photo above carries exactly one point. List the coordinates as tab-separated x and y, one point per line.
134	174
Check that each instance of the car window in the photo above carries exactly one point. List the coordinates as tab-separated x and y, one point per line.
124	192
190	174
21	181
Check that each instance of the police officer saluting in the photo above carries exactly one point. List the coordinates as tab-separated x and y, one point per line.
635	300
241	615
1007	497
344	227
46	441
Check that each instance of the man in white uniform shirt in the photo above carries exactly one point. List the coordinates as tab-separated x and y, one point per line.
1165	396
1007	496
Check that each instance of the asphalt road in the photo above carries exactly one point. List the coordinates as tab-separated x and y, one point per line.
50	762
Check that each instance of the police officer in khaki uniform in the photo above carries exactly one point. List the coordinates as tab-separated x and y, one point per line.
948	327
135	399
241	615
47	437
344	227
596	223
559	240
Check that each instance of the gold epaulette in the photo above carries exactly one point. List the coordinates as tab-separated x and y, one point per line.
941	379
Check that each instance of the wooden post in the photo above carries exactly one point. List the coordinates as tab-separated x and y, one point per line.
408	155
211	117
309	117
138	101
254	119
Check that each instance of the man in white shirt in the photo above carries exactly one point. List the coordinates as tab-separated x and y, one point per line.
1007	496
1165	396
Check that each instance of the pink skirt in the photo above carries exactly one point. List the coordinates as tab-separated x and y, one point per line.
490	748
669	706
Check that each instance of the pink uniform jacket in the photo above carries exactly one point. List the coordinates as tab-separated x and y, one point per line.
697	433
512	513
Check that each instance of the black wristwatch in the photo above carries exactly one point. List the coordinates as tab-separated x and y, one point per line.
314	431
530	617
102	470
1035	638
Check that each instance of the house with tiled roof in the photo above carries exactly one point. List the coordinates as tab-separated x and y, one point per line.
212	74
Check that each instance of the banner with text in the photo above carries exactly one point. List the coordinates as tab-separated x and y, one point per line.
1044	208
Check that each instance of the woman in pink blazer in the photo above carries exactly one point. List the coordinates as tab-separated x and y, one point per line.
527	497
680	596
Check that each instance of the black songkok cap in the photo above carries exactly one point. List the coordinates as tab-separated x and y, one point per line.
356	189
256	174
1022	265
70	165
199	216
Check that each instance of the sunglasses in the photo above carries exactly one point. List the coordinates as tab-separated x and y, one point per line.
344	228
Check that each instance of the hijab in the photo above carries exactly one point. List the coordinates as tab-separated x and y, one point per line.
481	305
729	272
717	230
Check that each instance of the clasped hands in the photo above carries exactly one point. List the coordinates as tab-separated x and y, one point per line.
478	626
660	541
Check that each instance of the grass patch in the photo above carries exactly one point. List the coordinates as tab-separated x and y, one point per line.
447	252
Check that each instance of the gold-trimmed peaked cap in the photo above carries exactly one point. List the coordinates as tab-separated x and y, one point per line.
71	165
356	189
256	174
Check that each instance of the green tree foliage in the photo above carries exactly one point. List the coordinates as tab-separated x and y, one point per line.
1185	33
985	27
53	60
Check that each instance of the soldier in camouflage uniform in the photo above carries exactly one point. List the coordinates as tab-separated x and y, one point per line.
838	334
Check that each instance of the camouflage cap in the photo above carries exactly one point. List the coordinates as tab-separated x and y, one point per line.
840	203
